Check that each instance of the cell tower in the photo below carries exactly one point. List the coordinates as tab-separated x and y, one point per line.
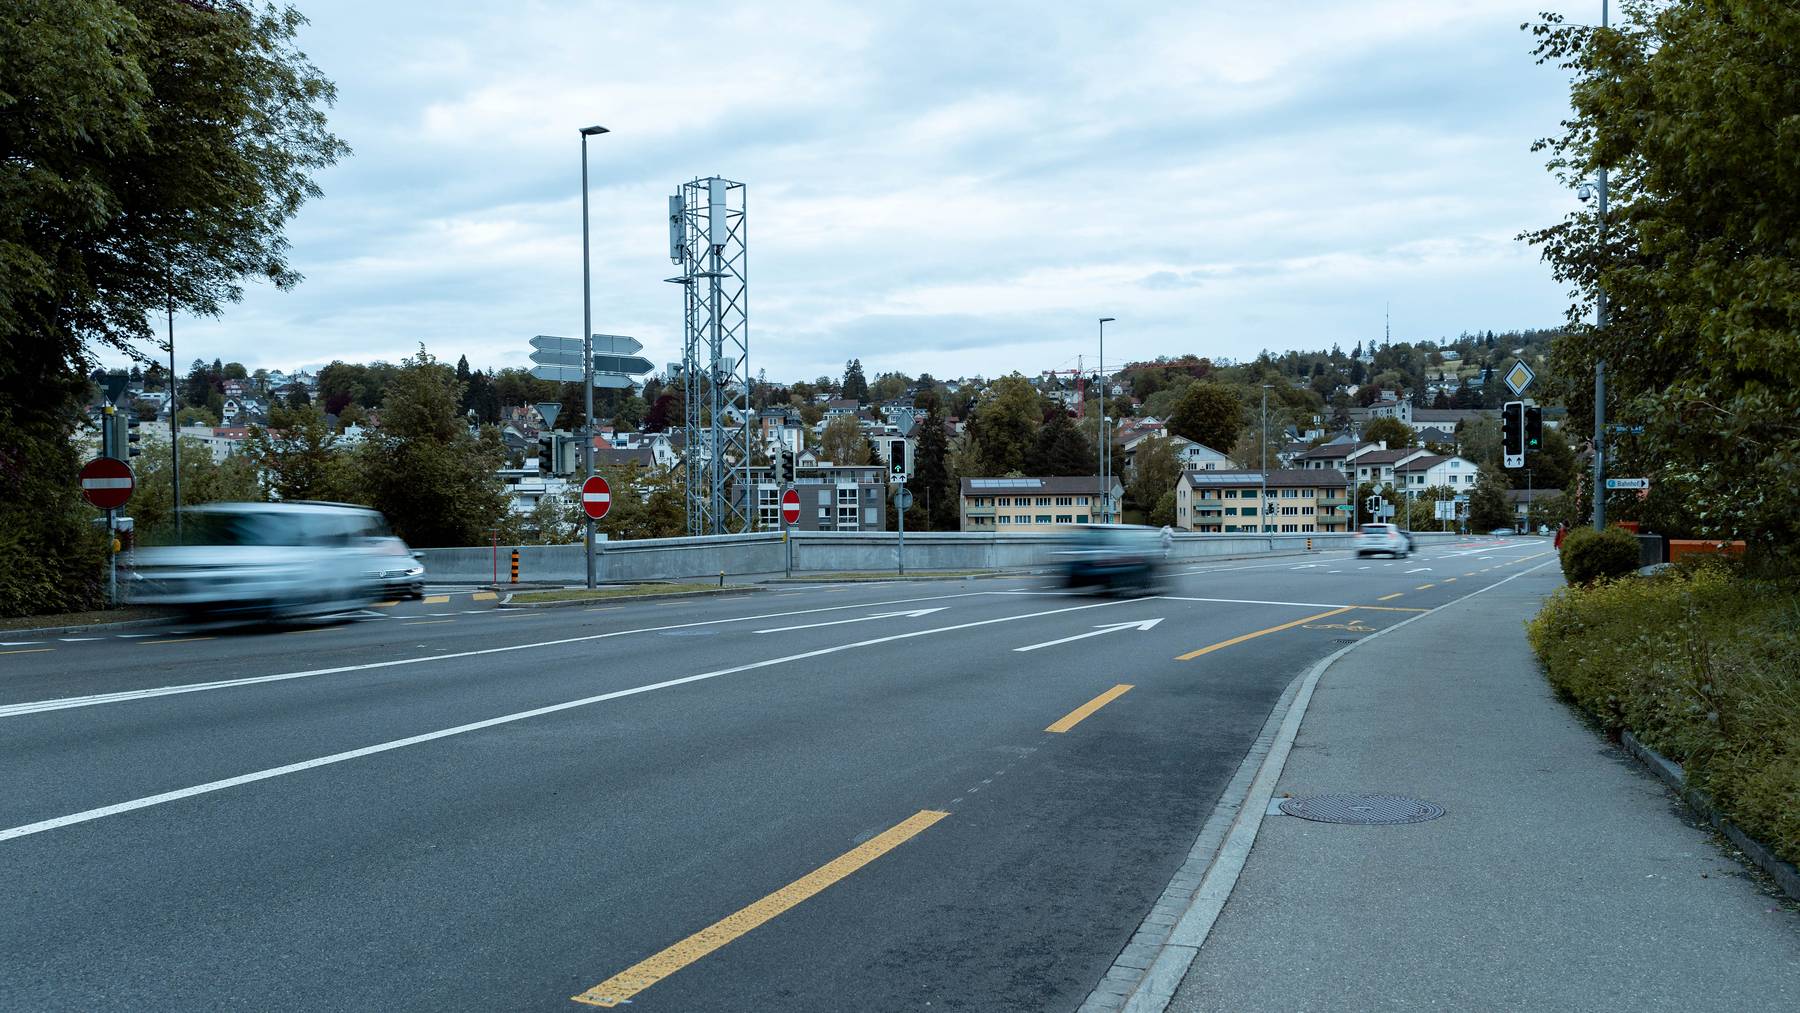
707	236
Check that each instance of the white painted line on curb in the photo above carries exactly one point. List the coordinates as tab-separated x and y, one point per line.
443	733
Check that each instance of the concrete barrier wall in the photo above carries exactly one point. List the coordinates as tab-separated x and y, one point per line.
761	554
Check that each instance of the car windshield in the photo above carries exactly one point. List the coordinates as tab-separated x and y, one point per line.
1374	529
273	528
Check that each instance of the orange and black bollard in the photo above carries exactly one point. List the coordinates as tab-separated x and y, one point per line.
1309	545
515	566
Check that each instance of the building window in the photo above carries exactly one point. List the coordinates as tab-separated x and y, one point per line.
871	516
1249	511
1065	501
1231	511
1065	518
1231	494
824	499
1004	519
1043	519
1081	501
1043	501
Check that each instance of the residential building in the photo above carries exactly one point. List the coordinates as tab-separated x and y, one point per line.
851	497
1378	466
1033	504
1418	473
1299	501
1334	456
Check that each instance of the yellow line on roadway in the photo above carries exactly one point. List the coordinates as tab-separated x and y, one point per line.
29	650
434	599
1390	597
1221	645
180	640
316	629
1424	587
622	986
1080	713
1388	608
428	622
484	596
385	604
1449	580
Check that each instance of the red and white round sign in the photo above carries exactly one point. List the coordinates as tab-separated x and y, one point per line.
107	482
596	497
790	506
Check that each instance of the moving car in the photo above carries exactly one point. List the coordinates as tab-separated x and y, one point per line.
266	561
1503	531
1113	557
1377	539
397	571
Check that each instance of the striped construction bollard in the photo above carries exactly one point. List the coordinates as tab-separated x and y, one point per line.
515	566
1309	545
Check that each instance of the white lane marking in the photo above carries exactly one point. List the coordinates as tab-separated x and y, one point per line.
147	801
63	703
914	614
1421	569
132	636
19	643
1099	630
1334	571
1362	568
76	640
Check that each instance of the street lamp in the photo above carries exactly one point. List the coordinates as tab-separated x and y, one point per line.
1583	192
1263	438
587	344
1105	444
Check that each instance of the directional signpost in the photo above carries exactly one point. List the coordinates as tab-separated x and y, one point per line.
615	360
1627	483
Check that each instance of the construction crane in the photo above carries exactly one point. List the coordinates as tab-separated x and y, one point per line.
1080	376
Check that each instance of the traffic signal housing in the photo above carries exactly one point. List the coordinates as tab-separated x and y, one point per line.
126	436
897	459
1512	434
1534	428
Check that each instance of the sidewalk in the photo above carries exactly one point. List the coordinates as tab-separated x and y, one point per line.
1561	877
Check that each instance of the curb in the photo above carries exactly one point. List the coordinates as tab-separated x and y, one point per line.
1147	973
875	578
711	592
1783	873
119	625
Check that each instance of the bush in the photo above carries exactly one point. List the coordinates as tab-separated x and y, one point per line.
1589	555
1703	665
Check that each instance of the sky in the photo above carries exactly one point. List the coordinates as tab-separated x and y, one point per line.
959	189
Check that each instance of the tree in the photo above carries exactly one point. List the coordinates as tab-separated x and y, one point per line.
1488	508
932	485
1396	433
202	481
299	458
1059	449
1005	424
663	414
842	442
433	479
1691	105
889	386
1156	469
1209	413
235	371
855	387
297	397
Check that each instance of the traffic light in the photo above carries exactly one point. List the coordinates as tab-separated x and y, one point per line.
1512	434
1534	428
897	458
125	435
778	461
108	431
1372	505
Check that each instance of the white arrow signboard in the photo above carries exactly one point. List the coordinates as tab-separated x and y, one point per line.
1628	483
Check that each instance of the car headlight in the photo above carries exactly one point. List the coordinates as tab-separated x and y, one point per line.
415	571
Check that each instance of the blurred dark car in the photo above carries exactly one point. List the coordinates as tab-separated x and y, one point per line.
1113	557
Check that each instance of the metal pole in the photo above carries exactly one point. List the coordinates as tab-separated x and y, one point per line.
1600	364
112	561
1264	523
900	555
1101	429
174	427
587	356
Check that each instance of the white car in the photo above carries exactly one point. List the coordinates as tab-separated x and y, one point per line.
1376	539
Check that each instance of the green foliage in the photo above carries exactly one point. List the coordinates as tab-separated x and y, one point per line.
1693	107
1488	507
152	506
1155	468
1208	413
1005	424
424	470
299	458
1397	433
1589	556
153	151
933	486
842	442
855	386
1703	665
1059	449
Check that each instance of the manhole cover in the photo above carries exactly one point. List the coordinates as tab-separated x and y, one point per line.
1371	810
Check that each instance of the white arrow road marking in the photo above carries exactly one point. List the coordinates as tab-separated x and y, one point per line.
914	614
1107	628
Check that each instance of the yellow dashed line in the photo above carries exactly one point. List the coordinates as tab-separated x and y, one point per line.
1390	597
1424	587
29	650
1208	649
435	599
1081	713
622	986
484	596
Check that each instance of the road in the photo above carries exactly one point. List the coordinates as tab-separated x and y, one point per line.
811	797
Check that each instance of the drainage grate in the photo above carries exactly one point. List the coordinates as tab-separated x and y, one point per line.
1370	810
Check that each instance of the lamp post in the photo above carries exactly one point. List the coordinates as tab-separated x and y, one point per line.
1599	363
174	426
587	345
1105	442
1263	438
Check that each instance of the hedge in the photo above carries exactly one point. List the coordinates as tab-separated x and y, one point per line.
1703	665
1588	555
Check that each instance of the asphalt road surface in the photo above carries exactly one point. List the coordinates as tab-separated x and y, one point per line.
956	795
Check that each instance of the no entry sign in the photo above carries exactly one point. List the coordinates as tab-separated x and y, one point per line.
790	506
107	482
596	497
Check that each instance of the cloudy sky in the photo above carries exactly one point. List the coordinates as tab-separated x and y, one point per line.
953	188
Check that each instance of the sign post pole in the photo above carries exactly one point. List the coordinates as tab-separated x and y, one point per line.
790	514
112	560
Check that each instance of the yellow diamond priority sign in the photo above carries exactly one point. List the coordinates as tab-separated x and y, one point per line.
1519	377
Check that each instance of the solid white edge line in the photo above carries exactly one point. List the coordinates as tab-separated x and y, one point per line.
1176	955
412	740
123	696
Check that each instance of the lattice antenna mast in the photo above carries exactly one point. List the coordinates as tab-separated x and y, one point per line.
707	240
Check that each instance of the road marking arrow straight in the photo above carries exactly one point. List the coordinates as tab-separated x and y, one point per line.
1102	629
914	614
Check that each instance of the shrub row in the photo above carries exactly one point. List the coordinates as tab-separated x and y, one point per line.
1703	665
